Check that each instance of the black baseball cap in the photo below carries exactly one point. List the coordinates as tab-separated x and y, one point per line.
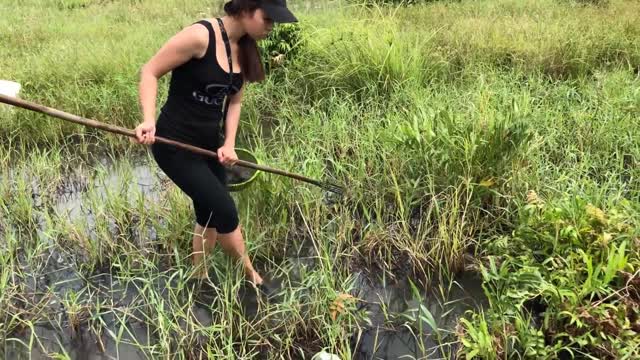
278	11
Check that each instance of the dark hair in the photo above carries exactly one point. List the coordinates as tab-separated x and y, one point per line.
249	56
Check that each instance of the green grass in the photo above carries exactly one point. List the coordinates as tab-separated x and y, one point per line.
440	118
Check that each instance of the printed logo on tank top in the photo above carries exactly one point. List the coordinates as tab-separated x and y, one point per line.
214	95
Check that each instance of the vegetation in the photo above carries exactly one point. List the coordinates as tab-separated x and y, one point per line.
496	137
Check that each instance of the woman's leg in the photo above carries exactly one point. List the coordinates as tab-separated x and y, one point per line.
231	239
204	240
203	182
233	245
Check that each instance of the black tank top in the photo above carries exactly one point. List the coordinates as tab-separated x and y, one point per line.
194	110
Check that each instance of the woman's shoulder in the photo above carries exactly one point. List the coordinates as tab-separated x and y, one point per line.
198	37
199	29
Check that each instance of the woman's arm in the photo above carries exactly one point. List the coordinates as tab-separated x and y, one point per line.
188	43
233	118
226	153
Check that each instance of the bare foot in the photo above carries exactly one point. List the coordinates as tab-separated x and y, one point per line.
200	275
254	278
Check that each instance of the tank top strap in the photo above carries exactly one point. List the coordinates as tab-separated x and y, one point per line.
227	48
211	48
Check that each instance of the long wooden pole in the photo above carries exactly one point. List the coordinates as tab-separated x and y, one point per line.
127	132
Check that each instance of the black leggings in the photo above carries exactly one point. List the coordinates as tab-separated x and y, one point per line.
203	180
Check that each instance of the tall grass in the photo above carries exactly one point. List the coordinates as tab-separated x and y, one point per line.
439	118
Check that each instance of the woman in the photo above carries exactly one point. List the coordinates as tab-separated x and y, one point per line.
210	61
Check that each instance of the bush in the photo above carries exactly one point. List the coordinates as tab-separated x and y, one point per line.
390	2
566	282
282	45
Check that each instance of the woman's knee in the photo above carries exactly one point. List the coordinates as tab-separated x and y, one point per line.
224	218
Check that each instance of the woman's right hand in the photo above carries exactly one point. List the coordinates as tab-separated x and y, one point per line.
145	133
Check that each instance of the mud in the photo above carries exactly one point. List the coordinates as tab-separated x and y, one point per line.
57	277
238	174
390	339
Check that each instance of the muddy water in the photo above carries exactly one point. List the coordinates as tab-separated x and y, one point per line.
83	346
383	337
144	179
381	340
389	339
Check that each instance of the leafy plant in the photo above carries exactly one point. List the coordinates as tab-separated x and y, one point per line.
560	285
282	46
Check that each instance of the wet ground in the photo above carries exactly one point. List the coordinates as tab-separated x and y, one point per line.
441	303
383	339
391	306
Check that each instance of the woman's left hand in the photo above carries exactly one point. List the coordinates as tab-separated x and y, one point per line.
227	155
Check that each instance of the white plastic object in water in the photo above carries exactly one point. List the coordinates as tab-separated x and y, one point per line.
323	355
9	88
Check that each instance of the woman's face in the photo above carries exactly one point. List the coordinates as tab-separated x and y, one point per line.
257	24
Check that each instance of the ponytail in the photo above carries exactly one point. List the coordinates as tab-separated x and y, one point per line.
249	53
